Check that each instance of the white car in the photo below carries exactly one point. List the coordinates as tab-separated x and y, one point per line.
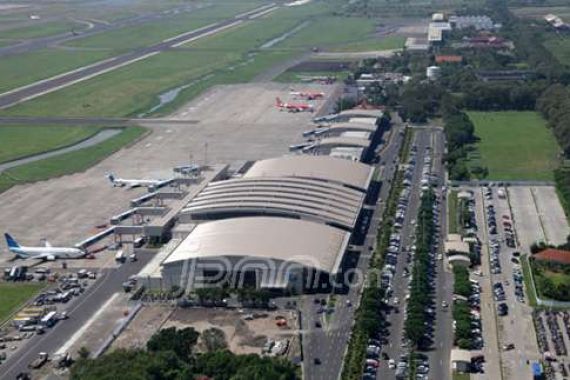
391	364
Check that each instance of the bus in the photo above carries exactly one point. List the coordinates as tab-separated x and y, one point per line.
49	319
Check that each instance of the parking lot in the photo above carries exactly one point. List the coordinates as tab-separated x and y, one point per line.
47	309
517	339
553	335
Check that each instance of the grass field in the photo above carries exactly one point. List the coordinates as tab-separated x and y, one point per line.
134	89
149	33
299	76
70	162
13	295
21	69
515	145
560	48
20	141
452	211
41	30
373	43
330	31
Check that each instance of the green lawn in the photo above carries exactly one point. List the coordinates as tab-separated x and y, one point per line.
70	162
560	48
461	376
527	278
452	212
300	76
41	30
152	32
21	69
374	43
133	89
14	295
331	31
515	145
20	141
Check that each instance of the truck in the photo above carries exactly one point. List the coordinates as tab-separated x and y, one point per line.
39	361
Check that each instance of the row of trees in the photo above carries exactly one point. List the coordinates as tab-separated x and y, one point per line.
461	285
546	286
421	290
170	355
554	105
460	133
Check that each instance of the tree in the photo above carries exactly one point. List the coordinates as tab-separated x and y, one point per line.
181	342
83	352
214	339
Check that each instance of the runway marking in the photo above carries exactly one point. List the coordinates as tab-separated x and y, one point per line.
71	341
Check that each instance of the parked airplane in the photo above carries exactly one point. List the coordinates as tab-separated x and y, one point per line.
309	95
47	252
294	107
135	182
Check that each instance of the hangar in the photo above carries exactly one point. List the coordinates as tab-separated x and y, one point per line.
262	252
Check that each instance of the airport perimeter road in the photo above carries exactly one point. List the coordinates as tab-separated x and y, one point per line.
34	90
397	317
83	307
329	343
439	357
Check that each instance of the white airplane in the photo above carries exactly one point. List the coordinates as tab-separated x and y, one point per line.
47	252
135	182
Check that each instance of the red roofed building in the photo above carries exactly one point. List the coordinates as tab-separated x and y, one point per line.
554	255
448	59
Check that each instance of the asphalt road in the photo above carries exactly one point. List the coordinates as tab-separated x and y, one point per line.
329	344
80	310
439	357
396	319
42	87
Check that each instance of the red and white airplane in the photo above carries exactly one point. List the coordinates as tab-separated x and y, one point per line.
309	95
294	107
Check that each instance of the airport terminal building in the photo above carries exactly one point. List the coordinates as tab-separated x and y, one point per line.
290	223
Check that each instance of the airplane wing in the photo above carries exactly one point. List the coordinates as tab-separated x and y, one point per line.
41	256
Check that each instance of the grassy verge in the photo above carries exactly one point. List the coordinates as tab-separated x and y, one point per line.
22	69
68	163
41	30
452	211
14	295
527	278
373	44
303	76
152	32
514	145
461	376
20	141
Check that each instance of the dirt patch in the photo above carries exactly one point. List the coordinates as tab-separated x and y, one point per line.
147	321
245	333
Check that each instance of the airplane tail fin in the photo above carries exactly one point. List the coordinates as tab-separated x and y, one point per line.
111	178
278	102
11	242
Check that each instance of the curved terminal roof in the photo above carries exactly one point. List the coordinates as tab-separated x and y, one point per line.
362	113
323	168
343	141
277	239
313	199
348	126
